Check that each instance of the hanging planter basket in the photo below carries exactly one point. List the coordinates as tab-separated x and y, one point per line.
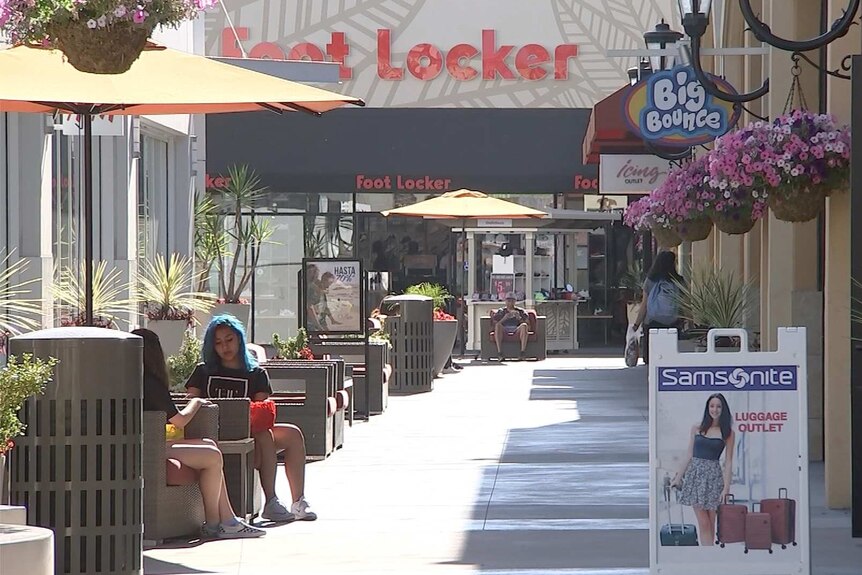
666	237
109	50
736	223
797	204
694	230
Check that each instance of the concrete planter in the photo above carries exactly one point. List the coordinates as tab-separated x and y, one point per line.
241	311
170	332
445	332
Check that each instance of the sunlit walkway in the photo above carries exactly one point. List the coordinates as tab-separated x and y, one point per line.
516	469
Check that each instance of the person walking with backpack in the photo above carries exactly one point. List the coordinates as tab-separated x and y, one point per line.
659	306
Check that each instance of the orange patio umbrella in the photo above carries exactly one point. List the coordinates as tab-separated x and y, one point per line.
161	81
466	205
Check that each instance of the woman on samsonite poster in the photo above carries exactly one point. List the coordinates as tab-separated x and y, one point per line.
703	481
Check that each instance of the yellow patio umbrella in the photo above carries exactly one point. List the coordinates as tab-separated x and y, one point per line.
466	205
161	81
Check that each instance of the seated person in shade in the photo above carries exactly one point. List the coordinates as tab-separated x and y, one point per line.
202	455
230	370
511	320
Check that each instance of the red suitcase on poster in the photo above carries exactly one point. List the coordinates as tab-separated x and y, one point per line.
731	521
783	514
758	530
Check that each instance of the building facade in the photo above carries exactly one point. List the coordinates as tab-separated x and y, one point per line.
145	172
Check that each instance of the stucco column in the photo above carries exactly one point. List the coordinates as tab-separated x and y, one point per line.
837	344
29	158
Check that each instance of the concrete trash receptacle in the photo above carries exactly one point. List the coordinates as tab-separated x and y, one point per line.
77	469
411	333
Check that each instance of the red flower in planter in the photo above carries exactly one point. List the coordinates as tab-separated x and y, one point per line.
305	353
441	315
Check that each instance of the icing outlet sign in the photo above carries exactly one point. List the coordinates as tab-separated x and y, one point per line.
672	108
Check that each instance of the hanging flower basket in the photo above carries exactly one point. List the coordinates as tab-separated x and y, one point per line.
798	204
101	37
109	50
694	230
734	223
666	237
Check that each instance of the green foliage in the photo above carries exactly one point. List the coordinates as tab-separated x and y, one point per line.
436	292
245	234
291	347
21	378
633	280
165	288
108	294
715	299
17	313
181	365
210	238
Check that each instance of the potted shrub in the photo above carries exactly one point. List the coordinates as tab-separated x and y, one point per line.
19	379
102	36
183	363
165	290
445	325
292	347
715	299
237	257
108	299
632	282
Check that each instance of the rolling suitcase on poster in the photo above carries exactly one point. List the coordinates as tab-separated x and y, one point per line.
731	522
677	534
783	514
758	530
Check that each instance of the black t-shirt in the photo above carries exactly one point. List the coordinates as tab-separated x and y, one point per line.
229	382
157	397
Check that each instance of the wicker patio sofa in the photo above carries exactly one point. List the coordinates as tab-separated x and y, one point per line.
172	500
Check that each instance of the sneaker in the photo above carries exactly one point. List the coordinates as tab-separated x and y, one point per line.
238	530
523	356
302	510
209	531
275	511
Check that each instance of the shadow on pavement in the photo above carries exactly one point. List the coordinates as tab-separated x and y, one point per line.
571	494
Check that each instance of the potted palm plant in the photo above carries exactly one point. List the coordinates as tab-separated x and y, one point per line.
445	325
210	239
109	296
165	290
17	313
237	257
715	299
19	379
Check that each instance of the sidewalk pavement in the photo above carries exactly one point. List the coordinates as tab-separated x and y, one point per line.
516	469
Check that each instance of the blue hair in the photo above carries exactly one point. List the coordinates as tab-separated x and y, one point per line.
211	358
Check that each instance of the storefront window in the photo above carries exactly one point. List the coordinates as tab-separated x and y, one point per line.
153	198
275	283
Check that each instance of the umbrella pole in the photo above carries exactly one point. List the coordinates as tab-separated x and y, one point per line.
88	218
464	310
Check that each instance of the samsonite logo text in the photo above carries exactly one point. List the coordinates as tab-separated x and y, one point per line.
749	378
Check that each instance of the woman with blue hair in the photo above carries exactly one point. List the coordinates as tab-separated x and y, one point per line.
229	369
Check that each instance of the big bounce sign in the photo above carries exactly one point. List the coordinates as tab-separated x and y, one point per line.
672	108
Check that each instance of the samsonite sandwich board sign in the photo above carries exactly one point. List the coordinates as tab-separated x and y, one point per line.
729	414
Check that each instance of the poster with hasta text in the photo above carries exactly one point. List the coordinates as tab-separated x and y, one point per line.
728	456
333	296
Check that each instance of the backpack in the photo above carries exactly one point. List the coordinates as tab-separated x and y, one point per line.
662	303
